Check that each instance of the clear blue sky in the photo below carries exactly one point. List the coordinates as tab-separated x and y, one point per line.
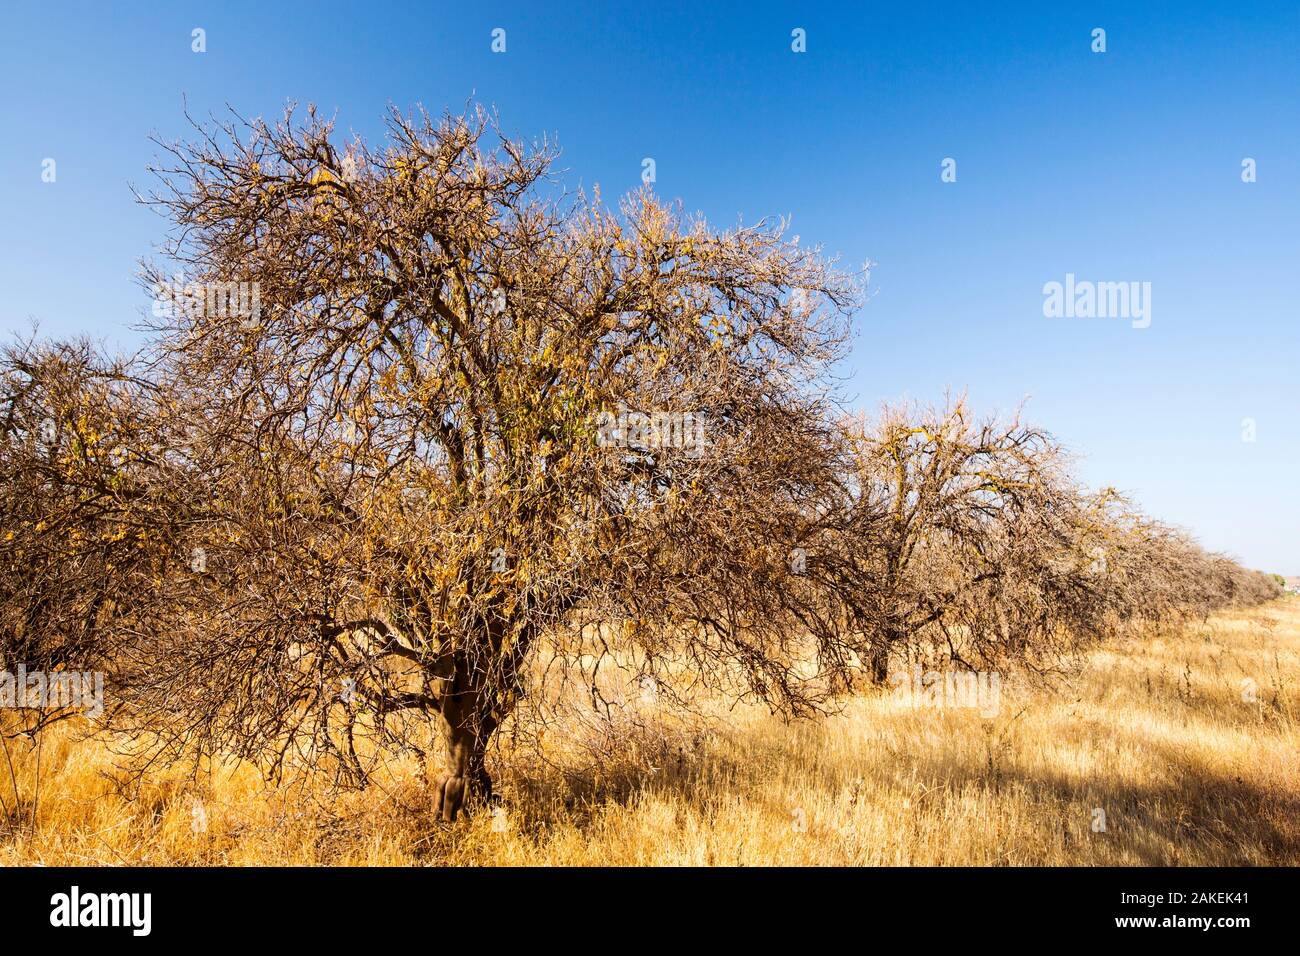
1117	166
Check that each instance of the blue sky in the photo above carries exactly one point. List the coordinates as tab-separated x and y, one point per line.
1115	166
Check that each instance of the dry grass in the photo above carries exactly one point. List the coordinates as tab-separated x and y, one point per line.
1157	735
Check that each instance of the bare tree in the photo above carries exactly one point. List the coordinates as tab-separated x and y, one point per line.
466	406
983	550
78	546
956	503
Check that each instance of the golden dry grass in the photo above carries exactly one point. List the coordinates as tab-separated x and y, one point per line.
1161	735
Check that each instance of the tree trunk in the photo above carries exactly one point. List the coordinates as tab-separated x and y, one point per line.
879	658
467	783
479	692
469	717
879	663
466	732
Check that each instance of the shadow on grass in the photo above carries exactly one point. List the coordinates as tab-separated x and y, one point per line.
1186	815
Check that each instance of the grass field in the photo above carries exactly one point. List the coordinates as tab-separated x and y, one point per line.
1179	749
